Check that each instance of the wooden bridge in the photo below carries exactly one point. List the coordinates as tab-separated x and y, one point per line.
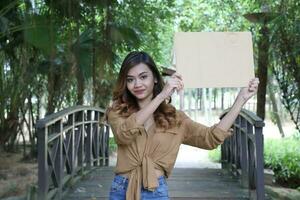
73	160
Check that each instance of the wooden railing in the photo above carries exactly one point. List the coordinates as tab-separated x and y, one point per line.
70	143
242	153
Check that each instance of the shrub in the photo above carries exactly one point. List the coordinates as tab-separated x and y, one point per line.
283	157
215	154
112	145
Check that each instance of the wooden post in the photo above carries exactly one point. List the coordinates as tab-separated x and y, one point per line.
97	138
43	179
259	163
58	166
244	154
89	141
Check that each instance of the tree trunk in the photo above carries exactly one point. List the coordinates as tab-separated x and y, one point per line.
181	100
222	98
190	102
51	91
200	99
215	99
275	108
79	75
2	105
80	87
263	47
106	57
12	130
52	82
32	133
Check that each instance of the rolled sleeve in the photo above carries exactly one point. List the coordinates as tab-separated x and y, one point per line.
199	135
219	134
125	130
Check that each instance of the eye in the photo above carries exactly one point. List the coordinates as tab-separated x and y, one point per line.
144	76
129	80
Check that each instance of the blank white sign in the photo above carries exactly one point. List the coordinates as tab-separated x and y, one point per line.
214	59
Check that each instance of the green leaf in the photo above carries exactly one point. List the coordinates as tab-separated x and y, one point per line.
83	52
41	34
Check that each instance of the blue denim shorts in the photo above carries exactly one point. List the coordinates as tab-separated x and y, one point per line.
120	184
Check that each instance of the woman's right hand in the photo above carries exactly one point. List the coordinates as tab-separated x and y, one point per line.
173	83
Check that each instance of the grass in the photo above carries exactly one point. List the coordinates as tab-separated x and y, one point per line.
15	176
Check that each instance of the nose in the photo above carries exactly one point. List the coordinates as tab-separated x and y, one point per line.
137	83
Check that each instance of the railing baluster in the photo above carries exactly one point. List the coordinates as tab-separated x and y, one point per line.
72	147
81	144
101	140
244	150
58	166
43	179
225	154
106	146
89	141
236	145
244	154
97	138
238	139
259	163
75	143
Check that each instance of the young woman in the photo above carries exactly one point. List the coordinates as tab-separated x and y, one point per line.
148	130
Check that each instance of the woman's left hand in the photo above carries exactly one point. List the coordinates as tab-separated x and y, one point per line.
247	92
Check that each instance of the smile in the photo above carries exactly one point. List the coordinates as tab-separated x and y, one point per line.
138	91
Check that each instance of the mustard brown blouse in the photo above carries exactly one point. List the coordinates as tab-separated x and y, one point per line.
140	152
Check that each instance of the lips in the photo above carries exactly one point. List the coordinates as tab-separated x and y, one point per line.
138	91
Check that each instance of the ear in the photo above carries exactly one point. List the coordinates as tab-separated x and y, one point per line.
155	80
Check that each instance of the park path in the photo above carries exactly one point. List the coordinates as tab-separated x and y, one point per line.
184	184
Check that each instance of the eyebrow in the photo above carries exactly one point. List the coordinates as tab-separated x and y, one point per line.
139	74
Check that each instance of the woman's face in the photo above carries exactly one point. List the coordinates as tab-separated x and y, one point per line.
140	82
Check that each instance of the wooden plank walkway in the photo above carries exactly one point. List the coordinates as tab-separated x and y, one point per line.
184	183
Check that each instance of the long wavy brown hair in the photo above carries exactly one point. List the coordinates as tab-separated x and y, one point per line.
126	104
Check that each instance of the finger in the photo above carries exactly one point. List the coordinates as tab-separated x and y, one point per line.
254	80
177	81
182	85
252	89
177	75
177	86
254	85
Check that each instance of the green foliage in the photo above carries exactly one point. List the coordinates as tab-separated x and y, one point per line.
285	54
39	34
55	52
82	50
296	135
112	144
215	154
283	157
